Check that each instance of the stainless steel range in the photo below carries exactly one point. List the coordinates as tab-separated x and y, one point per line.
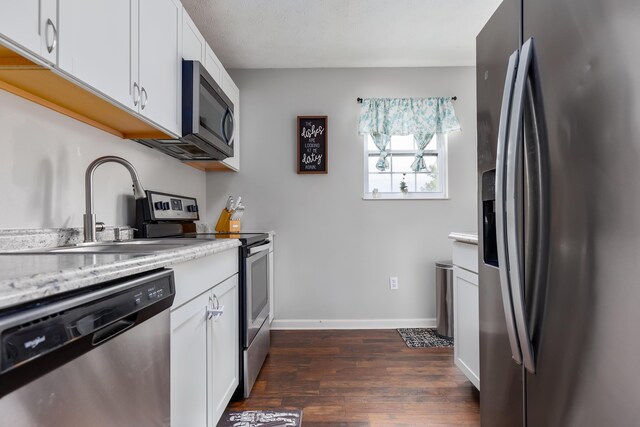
166	215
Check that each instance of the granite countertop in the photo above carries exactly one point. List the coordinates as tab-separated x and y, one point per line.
464	237
26	277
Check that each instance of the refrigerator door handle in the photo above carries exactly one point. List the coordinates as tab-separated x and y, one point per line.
501	232
514	240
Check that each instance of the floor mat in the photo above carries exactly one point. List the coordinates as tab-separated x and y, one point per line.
272	418
423	338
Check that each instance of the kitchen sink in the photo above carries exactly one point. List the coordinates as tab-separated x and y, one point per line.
141	246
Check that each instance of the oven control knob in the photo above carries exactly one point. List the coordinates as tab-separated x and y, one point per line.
192	208
166	206
158	206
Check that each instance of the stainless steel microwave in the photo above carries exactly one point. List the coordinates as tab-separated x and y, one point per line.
208	126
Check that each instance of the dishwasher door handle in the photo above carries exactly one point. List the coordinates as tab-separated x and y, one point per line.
114	329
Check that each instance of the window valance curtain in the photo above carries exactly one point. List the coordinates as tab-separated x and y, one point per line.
421	117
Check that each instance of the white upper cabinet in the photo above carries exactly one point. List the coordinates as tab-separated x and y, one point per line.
193	44
19	23
127	52
159	65
32	25
213	65
96	45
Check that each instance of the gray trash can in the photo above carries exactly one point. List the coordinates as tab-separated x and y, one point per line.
444	299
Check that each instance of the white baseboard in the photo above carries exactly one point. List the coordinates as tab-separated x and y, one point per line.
284	324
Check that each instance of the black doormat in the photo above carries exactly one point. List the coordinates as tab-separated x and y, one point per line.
423	338
273	418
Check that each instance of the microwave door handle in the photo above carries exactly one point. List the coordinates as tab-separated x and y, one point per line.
233	126
224	130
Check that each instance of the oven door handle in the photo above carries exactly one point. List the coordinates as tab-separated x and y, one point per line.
261	248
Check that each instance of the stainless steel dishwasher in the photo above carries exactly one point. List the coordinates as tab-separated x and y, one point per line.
97	358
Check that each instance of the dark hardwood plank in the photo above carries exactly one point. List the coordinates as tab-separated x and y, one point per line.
360	378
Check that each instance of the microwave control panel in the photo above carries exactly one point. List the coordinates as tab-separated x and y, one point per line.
169	207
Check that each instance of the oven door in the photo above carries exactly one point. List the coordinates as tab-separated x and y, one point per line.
257	291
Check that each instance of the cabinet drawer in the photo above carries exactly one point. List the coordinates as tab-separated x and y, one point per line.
465	255
197	276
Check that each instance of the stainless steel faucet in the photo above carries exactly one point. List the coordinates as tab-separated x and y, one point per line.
89	216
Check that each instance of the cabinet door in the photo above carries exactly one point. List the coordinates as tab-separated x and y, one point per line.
95	45
159	62
31	25
193	44
213	65
466	328
19	23
224	348
49	31
189	363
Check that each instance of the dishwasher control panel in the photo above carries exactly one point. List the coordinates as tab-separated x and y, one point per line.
95	316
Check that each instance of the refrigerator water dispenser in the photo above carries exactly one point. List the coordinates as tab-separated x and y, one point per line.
489	249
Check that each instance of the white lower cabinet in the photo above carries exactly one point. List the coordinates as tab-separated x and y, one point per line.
204	339
466	323
223	346
189	363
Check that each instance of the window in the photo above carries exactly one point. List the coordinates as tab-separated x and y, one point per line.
429	183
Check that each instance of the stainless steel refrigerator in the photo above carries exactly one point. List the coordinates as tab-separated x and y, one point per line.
558	84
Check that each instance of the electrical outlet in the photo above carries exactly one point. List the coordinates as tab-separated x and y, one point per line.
393	283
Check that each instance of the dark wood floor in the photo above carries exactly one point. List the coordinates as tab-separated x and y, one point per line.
362	378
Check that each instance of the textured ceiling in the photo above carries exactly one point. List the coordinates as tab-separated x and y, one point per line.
341	33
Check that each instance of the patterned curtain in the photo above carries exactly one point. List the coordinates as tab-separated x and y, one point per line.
422	117
422	140
382	142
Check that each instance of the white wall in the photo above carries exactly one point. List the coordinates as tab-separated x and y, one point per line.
335	251
42	163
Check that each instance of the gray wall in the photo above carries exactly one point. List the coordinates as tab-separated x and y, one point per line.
335	251
42	165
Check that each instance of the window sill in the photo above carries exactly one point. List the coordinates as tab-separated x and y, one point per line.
410	196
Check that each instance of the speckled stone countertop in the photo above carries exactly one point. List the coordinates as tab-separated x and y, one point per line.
26	277
464	237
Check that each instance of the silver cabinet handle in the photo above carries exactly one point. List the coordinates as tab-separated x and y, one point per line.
514	240
52	45
143	98
214	311
136	94
501	234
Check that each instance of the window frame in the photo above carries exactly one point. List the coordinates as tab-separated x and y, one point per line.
443	173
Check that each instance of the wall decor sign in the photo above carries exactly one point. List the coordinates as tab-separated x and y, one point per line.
312	144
